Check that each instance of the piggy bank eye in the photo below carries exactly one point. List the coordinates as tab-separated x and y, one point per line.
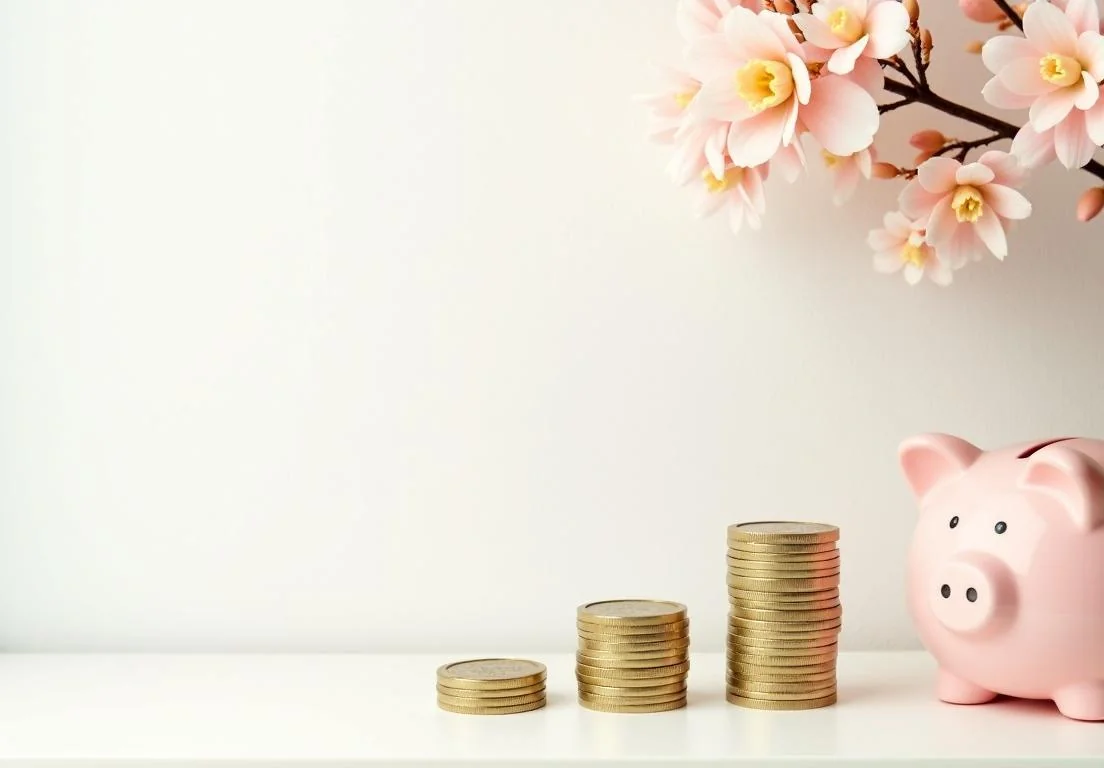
954	521
1001	527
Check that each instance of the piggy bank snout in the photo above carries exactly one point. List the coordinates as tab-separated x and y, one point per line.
972	593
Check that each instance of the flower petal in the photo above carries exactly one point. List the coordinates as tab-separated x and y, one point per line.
790	162
898	224
1088	93
917	202
941	274
1090	52
1072	142
887	24
943	222
991	231
750	37
887	263
715	149
1094	123
996	93
974	174
1022	76
937	174
1034	148
841	115
753	141
883	240
1002	50
913	273
1051	109
846	182
803	86
1084	14
735	217
1006	167
843	60
868	74
816	31
753	185
865	162
1050	29
1006	202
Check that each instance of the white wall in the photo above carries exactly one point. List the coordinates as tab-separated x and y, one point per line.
373	325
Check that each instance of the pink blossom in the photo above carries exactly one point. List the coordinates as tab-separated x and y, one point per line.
847	172
698	18
901	246
754	76
737	190
849	29
966	207
668	106
1055	70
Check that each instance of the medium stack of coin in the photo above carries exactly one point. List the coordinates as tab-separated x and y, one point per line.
491	686
784	614
634	655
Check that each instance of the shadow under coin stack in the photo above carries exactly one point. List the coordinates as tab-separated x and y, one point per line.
633	657
784	615
491	686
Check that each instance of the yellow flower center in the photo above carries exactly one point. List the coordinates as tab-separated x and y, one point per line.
830	160
912	253
732	177
968	204
844	25
763	84
1063	71
683	99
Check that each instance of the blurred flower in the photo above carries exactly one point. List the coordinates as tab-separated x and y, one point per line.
900	246
698	18
668	106
983	11
849	29
1055	69
739	191
847	171
966	207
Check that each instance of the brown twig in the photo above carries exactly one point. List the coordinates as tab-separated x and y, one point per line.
961	148
1010	13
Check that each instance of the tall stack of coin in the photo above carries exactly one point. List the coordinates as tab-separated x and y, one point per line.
634	655
784	614
491	686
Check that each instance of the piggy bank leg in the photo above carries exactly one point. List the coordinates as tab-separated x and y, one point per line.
955	690
1083	701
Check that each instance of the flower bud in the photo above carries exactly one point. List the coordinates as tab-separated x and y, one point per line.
913	9
884	171
1090	204
923	157
928	140
982	11
974	46
785	6
926	45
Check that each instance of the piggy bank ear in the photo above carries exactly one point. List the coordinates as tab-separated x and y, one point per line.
928	460
1072	478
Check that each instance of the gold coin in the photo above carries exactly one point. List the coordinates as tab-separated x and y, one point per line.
755	689
808	658
468	693
755	584
812	693
591	661
780	705
617	701
783	626
762	573
632	674
767	558
757	650
651	631
778	665
736	547
771	605
511	701
783	597
491	674
492	710
632	693
610	682
666	645
783	532
631	613
774	643
821	614
630	709
649	656
741	675
829	635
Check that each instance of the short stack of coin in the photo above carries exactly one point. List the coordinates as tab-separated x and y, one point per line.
784	615
491	686
634	655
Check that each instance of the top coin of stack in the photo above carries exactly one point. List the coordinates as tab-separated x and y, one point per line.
633	655
491	686
784	614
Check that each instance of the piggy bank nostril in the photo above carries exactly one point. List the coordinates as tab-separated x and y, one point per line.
971	594
945	590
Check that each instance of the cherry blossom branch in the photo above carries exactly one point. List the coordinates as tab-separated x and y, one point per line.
1010	13
999	127
961	148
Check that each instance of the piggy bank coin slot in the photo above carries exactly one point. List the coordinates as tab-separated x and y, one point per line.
1035	448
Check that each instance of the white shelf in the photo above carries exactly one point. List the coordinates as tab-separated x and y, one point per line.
342	710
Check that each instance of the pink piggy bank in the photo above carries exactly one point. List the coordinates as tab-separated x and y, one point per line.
1006	570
